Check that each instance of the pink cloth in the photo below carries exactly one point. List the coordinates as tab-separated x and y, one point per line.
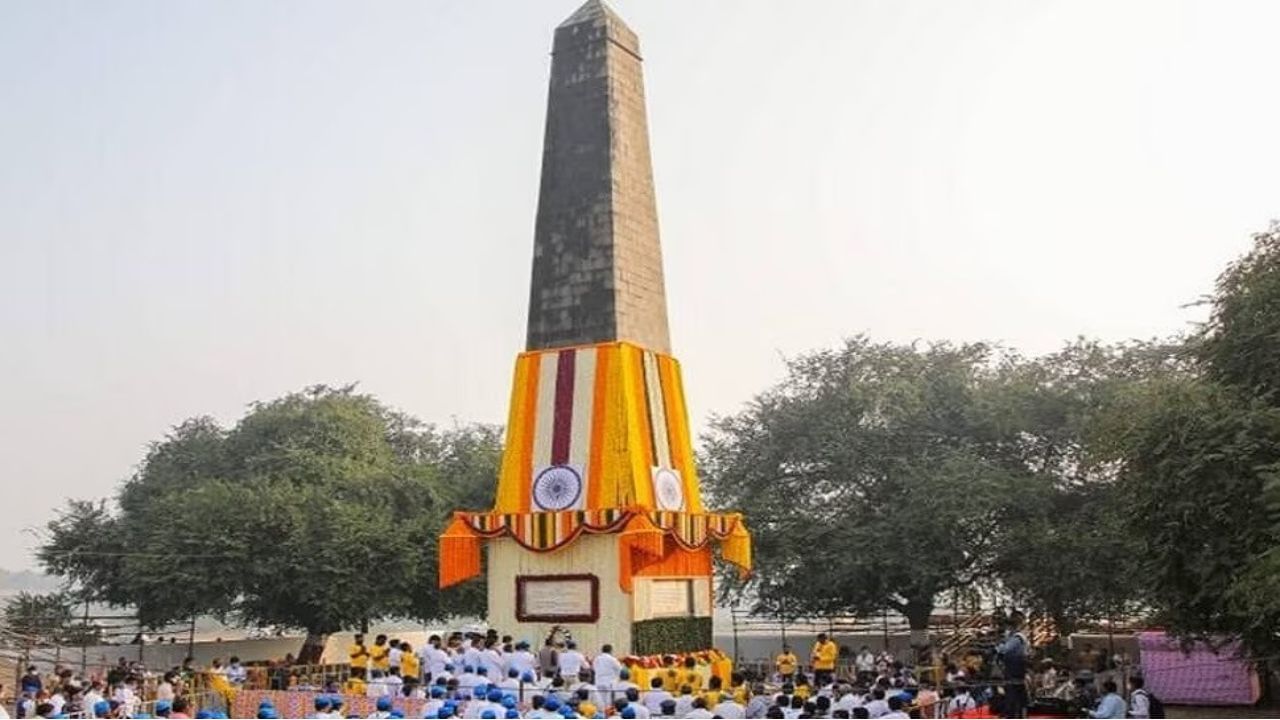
1198	676
295	704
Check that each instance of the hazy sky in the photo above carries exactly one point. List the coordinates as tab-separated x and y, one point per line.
207	203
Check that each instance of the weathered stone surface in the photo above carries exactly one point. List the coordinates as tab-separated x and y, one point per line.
597	261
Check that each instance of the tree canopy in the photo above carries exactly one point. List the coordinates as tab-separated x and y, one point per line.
875	476
318	510
1136	479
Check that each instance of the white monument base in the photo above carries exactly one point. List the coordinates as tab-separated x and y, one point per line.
555	585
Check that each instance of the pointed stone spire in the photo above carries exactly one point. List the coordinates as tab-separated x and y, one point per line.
597	261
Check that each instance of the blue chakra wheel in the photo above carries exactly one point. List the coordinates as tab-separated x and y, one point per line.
668	489
556	488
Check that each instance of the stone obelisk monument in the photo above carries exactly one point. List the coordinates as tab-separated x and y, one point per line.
598	524
597	263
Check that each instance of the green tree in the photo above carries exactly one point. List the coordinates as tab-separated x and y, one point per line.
1069	553
318	510
1198	462
35	620
1201	466
1240	345
876	476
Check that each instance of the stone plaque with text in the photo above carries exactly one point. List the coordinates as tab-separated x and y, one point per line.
558	598
671	598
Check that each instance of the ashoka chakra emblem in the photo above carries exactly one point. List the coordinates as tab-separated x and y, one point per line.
557	488
669	489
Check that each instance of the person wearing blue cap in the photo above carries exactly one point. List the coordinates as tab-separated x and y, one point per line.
163	708
522	660
488	715
624	683
512	713
567	712
537	709
101	709
467	682
383	705
204	715
896	708
511	683
265	713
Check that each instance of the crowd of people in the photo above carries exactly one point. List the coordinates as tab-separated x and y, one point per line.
126	690
485	676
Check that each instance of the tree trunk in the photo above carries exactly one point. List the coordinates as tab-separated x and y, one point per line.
918	613
312	648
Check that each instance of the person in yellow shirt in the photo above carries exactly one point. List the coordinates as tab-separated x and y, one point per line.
380	654
670	675
359	655
738	687
786	664
354	686
824	657
714	692
802	689
691	677
410	665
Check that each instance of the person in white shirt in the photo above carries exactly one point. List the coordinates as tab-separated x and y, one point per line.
511	683
433	658
653	699
877	707
729	710
236	673
571	661
164	690
684	701
394	683
467	682
962	700
1139	699
394	655
377	686
433	705
585	691
624	682
607	670
58	700
896	711
471	652
699	710
632	701
522	661
864	663
92	697
847	700
494	661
